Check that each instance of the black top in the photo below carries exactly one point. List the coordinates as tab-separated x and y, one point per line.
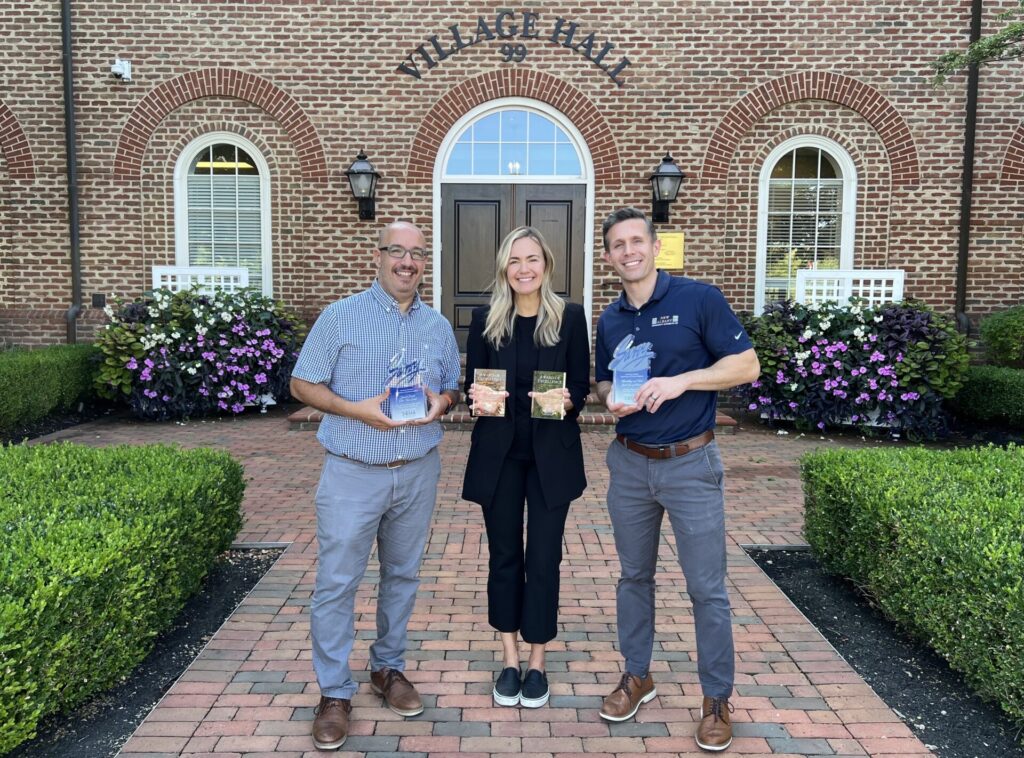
526	364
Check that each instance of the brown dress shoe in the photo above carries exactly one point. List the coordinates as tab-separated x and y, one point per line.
625	699
330	727
715	729
397	691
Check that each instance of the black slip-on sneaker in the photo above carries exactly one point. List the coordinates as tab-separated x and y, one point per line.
507	687
535	689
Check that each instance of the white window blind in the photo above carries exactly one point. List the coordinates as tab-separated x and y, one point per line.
805	217
225	211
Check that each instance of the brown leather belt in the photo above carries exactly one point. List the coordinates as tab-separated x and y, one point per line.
393	464
672	449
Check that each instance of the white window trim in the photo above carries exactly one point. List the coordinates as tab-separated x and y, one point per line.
181	167
848	215
586	164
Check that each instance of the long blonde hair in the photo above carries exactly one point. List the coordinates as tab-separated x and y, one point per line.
498	329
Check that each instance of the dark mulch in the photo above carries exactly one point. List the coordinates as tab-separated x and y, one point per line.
915	682
57	422
98	728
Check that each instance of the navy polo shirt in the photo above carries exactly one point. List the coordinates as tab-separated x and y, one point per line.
691	326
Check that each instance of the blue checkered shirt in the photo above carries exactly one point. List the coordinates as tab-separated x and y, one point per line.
349	349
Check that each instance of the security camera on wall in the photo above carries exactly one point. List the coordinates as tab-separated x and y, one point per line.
122	70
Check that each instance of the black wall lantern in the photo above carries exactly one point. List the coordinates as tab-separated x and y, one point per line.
362	176
665	183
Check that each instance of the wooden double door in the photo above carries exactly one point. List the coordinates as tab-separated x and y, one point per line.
475	219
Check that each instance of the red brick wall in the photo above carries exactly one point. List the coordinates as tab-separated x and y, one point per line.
719	84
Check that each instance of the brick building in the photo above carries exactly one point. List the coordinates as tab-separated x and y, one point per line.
801	126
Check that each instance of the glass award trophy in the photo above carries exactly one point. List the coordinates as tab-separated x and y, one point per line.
489	395
631	368
407	397
548	401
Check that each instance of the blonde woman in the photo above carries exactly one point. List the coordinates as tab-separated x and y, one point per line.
517	461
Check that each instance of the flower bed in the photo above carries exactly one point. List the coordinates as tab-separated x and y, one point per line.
175	355
828	366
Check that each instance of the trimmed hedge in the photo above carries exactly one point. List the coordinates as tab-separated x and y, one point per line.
1002	333
36	383
101	549
937	539
992	394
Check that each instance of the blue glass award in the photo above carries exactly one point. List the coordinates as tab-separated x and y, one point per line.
407	398
631	368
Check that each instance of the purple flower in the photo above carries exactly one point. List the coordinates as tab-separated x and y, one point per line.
132	364
752	407
876	356
166	398
260	378
149	393
237	408
222	405
821	424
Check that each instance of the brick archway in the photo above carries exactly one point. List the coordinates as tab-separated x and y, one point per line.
514	83
1012	171
814	85
14	146
219	82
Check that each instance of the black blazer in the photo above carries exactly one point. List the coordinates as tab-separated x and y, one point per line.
557	449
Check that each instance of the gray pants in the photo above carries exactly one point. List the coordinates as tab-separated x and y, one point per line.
356	504
690	489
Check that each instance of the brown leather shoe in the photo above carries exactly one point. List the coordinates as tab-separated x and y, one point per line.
330	727
397	691
625	699
715	729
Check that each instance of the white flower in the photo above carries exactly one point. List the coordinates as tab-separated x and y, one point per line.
824	325
878	319
201	330
176	335
793	386
858	333
108	311
808	334
191	370
225	316
802	355
154	312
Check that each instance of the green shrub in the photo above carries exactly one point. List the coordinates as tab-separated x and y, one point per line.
992	394
101	549
1002	334
937	539
36	383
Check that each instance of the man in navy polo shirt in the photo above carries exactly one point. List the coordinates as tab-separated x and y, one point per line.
665	459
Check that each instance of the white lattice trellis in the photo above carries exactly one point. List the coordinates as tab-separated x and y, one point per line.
206	278
876	286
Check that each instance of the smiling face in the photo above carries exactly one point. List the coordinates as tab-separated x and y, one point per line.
400	277
525	271
631	251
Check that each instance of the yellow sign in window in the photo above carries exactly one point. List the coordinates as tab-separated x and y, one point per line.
671	255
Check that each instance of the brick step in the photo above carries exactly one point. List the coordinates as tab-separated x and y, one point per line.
595	414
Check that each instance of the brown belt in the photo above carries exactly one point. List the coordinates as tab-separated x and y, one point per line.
393	464
672	449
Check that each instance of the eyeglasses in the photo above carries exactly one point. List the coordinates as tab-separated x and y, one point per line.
398	252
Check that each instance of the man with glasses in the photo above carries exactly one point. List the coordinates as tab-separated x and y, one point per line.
379	479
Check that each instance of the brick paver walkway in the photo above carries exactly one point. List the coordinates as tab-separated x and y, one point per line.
251	691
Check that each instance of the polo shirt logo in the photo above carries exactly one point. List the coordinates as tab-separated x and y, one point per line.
665	321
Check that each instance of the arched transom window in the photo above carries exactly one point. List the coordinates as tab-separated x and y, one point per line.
806	214
514	142
222	207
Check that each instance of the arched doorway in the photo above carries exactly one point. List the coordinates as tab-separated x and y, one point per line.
504	164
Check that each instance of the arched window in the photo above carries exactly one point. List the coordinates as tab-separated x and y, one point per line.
222	207
805	214
514	142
